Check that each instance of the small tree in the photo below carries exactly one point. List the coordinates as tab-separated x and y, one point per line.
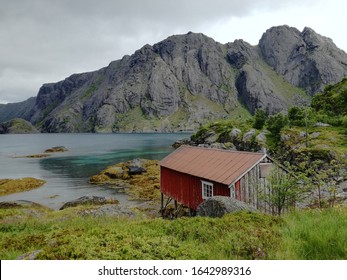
259	119
296	116
274	125
282	190
324	175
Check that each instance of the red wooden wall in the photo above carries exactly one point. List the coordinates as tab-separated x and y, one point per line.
186	189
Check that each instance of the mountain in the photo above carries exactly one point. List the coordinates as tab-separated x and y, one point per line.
17	110
187	80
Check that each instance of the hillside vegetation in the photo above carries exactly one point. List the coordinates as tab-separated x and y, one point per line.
68	235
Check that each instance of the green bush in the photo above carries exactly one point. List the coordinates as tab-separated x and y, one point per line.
259	119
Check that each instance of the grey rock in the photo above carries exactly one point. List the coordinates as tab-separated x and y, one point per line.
180	142
30	255
212	138
320	124
190	76
107	210
305	59
235	133
248	135
136	170
257	90
315	135
285	137
218	206
302	134
218	146
136	167
89	200
261	138
19	204
230	146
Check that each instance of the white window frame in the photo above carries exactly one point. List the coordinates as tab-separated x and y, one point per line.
232	190
206	189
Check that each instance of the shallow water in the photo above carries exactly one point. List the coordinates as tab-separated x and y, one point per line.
67	173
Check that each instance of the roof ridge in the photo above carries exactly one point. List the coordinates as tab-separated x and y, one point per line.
221	150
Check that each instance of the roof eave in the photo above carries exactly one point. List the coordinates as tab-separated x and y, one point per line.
249	169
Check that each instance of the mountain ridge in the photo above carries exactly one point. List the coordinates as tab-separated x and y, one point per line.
187	80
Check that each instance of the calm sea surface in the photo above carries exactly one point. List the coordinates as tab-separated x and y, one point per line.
67	173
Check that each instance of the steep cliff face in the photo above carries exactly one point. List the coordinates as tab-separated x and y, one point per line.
176	84
305	59
187	80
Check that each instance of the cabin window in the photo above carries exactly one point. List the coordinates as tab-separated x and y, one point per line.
207	189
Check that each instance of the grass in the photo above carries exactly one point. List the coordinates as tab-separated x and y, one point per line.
330	139
312	234
315	235
238	236
9	186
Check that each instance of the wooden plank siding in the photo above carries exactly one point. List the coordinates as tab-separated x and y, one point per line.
183	171
187	189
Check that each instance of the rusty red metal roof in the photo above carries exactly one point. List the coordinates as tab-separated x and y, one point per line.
222	166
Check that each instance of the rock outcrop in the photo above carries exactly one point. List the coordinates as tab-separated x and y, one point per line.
89	200
218	206
305	59
187	80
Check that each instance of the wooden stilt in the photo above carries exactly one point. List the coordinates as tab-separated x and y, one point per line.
162	204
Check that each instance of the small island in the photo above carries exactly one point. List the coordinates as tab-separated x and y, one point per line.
9	186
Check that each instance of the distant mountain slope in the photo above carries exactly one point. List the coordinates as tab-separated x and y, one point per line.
187	80
17	110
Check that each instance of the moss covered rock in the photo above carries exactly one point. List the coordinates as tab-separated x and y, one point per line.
17	126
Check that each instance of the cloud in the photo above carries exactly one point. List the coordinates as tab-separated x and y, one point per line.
47	40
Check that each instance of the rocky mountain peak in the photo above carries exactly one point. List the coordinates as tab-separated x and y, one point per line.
187	80
305	59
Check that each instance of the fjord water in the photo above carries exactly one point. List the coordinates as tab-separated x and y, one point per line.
67	173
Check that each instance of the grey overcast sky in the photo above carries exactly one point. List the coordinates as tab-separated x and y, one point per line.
44	41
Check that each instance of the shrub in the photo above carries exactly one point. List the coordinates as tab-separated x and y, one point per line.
259	119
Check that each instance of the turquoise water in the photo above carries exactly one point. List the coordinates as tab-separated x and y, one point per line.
67	174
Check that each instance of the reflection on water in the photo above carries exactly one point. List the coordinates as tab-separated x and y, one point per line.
67	173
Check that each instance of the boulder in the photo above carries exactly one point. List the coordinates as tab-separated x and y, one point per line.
315	134
30	255
320	124
180	142
218	206
218	146
19	204
235	133
109	210
261	138
136	170
248	135
89	200
136	167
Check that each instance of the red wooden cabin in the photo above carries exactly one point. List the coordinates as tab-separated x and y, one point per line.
190	175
